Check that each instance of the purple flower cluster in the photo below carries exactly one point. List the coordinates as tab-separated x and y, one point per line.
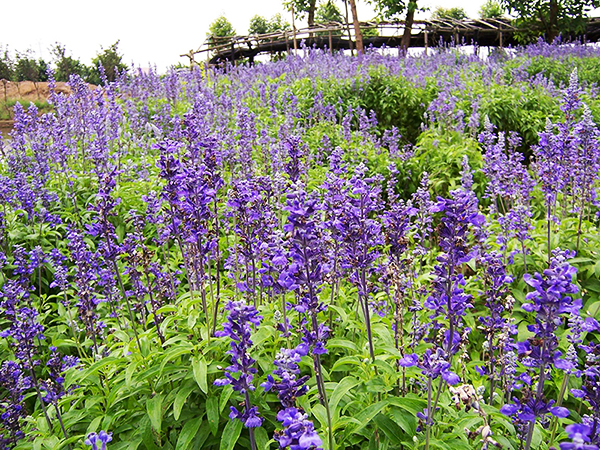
298	432
98	439
238	328
551	299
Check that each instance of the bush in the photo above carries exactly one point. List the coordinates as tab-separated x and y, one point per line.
65	66
28	69
111	63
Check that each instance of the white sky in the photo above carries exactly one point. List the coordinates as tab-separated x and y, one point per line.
150	33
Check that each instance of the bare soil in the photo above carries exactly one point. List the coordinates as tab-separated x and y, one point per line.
27	91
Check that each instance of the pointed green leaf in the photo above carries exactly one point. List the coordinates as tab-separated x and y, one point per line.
188	433
154	408
340	390
182	394
231	433
200	369
212	414
392	431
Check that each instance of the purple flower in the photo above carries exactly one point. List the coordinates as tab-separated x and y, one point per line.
238	328
580	438
298	432
102	438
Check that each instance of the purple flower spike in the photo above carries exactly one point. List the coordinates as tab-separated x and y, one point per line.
103	438
580	438
238	328
298	432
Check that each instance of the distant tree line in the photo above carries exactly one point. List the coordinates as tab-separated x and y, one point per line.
107	64
539	18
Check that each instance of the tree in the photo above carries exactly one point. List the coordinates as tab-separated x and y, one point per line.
111	62
491	10
220	28
454	13
328	12
258	25
28	69
359	42
278	24
6	67
550	17
302	8
66	65
393	9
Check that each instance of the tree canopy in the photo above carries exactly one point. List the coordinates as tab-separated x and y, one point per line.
491	10
549	17
329	12
65	66
221	27
111	62
261	25
455	13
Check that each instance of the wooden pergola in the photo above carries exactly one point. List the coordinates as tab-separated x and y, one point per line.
340	36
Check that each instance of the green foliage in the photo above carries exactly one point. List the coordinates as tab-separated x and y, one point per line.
440	152
258	25
455	13
491	9
111	62
558	70
26	68
65	66
6	66
302	8
396	102
549	17
221	27
6	107
161	394
328	12
278	23
393	9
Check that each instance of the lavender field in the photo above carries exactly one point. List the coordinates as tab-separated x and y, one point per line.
324	252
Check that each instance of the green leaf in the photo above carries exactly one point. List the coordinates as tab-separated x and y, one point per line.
407	422
180	398
200	372
342	343
225	395
340	390
389	428
188	432
231	433
366	415
154	408
262	438
212	414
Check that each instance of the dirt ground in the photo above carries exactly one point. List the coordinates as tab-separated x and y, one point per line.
27	91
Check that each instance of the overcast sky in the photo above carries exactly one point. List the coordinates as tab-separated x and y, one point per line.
150	33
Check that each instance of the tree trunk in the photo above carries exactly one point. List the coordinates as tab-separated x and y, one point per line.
311	12
408	23
552	31
348	28
359	42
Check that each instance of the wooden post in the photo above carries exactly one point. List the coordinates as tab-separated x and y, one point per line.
330	44
348	28
287	42
501	43
426	34
294	29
